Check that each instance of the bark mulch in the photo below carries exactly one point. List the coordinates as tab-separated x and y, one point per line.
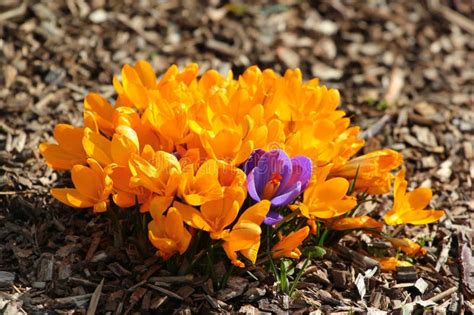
405	71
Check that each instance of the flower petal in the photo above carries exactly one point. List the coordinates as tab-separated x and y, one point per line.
419	198
252	190
275	161
72	197
86	181
422	217
69	139
146	73
192	217
287	197
97	147
256	213
302	170
59	159
332	189
272	217
252	161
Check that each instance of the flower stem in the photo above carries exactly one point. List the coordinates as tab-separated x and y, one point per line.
269	254
298	276
116	228
226	277
210	265
323	237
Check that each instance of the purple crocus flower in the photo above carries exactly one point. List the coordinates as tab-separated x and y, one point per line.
274	176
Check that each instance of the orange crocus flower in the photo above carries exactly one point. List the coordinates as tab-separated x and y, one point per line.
245	234
409	207
68	152
391	263
214	217
226	144
168	235
125	195
197	189
407	246
136	81
159	172
97	147
326	200
351	223
372	169
288	245
232	179
102	111
92	187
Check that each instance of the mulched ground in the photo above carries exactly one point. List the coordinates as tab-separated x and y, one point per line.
405	71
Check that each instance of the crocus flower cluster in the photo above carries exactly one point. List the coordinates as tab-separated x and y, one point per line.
226	157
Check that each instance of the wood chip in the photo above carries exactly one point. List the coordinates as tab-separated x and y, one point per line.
95	299
165	291
6	278
406	274
45	270
397	81
173	279
359	259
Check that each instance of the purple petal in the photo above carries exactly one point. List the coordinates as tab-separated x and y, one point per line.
275	161
287	197
251	187
302	169
252	161
272	217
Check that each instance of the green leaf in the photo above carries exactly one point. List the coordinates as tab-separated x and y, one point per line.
314	251
284	283
353	182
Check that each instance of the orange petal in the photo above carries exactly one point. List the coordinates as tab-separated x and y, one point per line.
256	213
289	243
97	147
124	144
243	236
332	189
86	181
124	199
57	158
146	74
419	198
174	224
117	85
192	217
70	139
100	207
159	204
71	197
137	94
422	217
102	111
362	222
251	252
391	263
220	213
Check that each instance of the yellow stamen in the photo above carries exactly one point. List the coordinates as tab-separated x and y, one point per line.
272	186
